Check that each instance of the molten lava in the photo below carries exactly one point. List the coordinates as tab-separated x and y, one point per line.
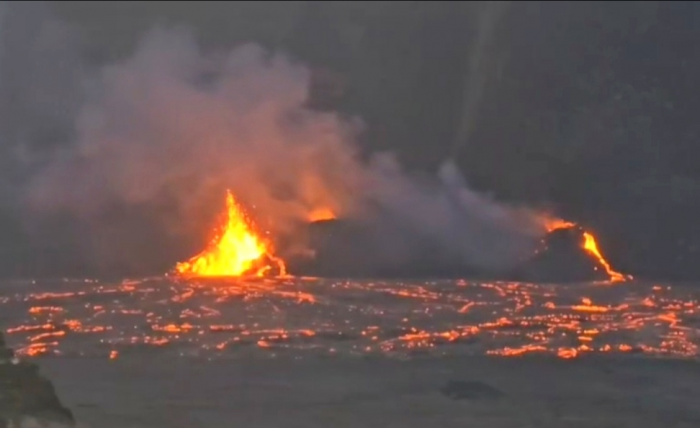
590	246
552	224
235	250
321	214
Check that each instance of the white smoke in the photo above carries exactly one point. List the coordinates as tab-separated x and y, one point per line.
171	122
41	74
170	127
467	226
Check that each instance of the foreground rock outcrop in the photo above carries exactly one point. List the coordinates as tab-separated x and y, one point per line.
25	394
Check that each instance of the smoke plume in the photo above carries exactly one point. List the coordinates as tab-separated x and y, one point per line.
145	148
481	65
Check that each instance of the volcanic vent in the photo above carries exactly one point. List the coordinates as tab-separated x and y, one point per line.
237	249
569	253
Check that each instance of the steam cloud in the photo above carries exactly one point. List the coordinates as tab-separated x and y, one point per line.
144	148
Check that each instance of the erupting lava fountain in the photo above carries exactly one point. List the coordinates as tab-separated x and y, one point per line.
237	249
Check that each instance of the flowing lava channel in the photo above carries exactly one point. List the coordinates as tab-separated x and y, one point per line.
591	247
236	249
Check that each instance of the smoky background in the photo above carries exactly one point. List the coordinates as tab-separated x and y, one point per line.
461	120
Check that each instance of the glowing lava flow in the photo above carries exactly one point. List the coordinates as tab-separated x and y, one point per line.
321	214
235	250
591	246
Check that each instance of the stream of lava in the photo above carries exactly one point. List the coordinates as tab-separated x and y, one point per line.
591	247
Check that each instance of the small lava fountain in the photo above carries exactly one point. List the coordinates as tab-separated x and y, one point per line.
237	249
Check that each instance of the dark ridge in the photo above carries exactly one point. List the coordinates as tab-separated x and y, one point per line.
24	393
346	249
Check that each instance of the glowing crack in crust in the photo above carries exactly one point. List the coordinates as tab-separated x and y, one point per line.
311	317
236	249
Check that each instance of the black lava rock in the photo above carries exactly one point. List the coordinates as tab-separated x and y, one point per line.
350	249
25	393
356	249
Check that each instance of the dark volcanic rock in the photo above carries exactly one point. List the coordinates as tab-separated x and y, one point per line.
345	248
350	249
25	393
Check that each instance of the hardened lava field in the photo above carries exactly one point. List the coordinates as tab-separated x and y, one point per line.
224	318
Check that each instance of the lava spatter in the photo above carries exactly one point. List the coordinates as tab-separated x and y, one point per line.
237	249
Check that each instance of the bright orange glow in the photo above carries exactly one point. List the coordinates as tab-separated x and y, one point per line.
591	246
321	214
235	250
551	224
509	319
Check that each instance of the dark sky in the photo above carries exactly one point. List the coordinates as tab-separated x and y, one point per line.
586	107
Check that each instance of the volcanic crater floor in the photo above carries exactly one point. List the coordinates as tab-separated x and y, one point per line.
295	352
219	318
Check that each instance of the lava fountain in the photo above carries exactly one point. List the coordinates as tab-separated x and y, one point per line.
236	249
